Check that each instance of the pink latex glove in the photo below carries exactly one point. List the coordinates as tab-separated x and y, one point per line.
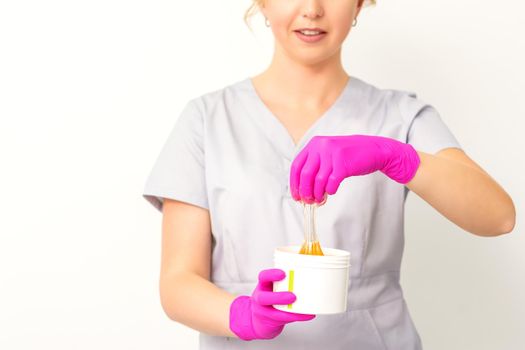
254	317
327	160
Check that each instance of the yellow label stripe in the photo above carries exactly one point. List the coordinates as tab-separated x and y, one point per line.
290	285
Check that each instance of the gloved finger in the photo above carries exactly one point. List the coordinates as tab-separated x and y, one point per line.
269	312
295	171
334	179
262	297
268	276
307	177
321	179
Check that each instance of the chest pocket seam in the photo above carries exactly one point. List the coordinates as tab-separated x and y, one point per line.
230	259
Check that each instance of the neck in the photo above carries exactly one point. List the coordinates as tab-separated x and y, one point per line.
311	85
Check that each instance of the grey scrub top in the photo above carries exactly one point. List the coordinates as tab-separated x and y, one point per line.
229	154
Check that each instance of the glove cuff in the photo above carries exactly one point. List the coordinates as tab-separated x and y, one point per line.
403	168
241	318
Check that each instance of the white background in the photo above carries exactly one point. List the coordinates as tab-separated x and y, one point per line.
90	89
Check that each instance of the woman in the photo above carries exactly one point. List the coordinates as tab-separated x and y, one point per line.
240	161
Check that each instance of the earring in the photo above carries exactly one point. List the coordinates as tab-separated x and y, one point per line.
266	22
355	22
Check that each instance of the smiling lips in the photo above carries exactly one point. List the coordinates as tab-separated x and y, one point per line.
310	35
310	29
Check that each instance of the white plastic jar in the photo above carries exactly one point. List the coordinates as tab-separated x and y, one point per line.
320	282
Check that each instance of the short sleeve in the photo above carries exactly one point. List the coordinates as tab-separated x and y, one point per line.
178	172
427	132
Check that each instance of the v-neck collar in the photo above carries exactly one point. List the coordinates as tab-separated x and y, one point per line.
278	133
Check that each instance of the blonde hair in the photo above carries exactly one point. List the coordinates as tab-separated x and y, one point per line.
256	4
